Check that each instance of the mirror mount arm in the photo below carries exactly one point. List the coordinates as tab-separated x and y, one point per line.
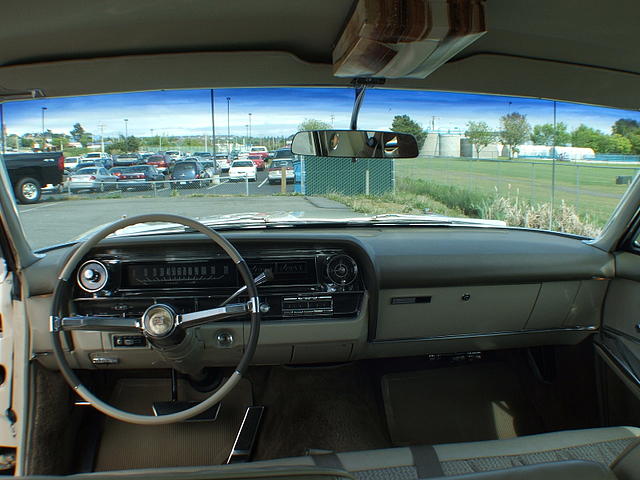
360	85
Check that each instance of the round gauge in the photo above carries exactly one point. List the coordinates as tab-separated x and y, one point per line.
342	270
92	276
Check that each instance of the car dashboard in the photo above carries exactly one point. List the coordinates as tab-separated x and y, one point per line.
336	294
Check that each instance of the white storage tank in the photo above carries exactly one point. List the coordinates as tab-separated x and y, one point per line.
431	145
450	145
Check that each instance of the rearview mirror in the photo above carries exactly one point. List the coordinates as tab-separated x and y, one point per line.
354	144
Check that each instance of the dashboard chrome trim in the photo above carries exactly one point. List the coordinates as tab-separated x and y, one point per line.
464	336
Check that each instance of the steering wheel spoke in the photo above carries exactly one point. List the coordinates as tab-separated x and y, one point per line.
213	314
95	324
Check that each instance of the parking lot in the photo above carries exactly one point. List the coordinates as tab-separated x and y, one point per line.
222	186
59	220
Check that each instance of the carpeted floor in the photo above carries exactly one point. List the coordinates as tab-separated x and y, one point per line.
124	445
483	401
333	408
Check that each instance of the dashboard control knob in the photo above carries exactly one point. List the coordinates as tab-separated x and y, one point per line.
264	308
92	276
225	339
342	270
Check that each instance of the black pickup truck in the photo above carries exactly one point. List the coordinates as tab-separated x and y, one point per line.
29	172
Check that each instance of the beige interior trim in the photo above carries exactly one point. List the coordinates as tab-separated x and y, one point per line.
482	73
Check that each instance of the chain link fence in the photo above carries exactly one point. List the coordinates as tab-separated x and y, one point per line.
593	190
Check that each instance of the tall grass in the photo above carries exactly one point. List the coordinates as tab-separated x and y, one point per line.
510	208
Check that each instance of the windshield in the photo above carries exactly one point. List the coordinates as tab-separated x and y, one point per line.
528	163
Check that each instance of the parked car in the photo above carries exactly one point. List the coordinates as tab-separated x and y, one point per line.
222	159
71	163
258	161
29	172
137	177
92	163
160	161
105	158
125	159
202	155
210	167
242	169
174	154
282	153
259	150
275	171
97	179
188	172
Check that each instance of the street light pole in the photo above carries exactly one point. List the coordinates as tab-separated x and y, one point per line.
228	127
249	142
43	131
101	137
246	138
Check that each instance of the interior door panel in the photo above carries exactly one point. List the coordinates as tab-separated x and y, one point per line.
619	340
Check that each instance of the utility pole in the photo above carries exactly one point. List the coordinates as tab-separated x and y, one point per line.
249	129
433	123
101	137
213	121
43	130
206	148
126	133
228	127
332	119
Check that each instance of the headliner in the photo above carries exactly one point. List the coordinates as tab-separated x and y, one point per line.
574	50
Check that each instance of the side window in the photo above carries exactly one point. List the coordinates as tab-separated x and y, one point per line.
103	171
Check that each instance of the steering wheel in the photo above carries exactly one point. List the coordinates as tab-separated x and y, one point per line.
164	329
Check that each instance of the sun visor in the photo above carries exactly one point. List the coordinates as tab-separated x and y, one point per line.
406	38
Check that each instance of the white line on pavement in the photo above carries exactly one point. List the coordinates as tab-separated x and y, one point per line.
38	207
263	182
218	184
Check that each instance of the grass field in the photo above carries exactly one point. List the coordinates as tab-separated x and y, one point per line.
590	188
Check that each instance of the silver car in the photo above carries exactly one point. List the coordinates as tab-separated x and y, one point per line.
96	179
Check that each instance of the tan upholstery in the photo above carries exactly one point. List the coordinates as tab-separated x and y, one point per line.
600	445
627	465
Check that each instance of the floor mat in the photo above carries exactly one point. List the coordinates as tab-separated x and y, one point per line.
333	408
125	445
457	404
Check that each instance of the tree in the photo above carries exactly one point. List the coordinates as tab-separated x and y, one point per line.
26	142
313	124
625	127
634	138
124	145
77	132
86	139
404	124
615	144
587	137
515	131
544	134
479	135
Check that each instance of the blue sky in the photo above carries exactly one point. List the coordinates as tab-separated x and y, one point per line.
278	111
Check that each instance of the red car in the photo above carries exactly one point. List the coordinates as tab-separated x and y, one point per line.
258	161
161	162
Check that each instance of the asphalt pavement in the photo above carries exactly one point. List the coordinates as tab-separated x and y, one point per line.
62	217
